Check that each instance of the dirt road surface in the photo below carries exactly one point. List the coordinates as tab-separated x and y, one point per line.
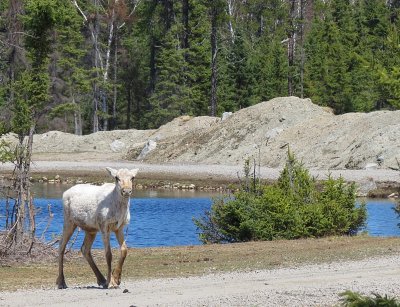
309	285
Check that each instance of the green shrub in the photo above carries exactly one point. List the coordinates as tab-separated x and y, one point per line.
353	299
290	209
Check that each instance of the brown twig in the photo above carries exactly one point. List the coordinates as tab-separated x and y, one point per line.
73	241
51	215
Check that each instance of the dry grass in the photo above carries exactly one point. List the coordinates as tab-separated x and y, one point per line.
196	260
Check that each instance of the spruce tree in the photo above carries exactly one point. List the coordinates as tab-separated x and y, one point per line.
198	58
32	96
74	97
171	97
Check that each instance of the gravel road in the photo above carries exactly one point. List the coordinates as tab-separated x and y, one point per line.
309	285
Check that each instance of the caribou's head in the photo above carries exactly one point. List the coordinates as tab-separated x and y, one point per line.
123	179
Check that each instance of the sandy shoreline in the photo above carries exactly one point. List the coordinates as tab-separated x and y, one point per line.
306	285
198	171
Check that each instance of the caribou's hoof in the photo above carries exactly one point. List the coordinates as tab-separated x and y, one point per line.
102	283
113	286
62	285
114	283
116	277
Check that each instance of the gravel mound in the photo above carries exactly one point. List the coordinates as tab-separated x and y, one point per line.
264	131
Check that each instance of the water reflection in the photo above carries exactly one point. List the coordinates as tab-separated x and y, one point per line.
55	190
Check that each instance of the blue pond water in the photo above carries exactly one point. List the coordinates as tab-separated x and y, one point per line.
159	219
155	220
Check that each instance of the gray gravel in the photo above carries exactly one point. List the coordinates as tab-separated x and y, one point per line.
309	285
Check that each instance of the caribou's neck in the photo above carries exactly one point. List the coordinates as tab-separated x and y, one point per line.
120	200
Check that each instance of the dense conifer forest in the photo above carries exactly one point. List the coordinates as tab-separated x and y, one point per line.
84	66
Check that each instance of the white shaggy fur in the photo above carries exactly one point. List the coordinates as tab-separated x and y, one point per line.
98	208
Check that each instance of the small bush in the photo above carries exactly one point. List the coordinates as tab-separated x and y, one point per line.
353	299
290	209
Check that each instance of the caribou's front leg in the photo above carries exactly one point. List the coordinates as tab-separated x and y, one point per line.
116	274
107	248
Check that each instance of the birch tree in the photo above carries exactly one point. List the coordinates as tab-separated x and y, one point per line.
99	18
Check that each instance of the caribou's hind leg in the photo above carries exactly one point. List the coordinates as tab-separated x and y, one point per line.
68	230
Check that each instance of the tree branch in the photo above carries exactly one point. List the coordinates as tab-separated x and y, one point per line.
11	45
79	9
131	13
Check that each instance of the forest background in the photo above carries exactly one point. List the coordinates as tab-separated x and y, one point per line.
121	64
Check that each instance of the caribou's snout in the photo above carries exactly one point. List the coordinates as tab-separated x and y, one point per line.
126	191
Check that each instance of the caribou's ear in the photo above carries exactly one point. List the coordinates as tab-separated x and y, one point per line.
113	172
133	172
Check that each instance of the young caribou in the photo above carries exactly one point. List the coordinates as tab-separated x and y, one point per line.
98	208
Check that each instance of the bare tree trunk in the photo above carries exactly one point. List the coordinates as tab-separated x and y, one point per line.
214	51
301	46
32	222
291	46
107	66
14	41
78	122
153	70
95	109
24	204
28	199
18	228
168	12
96	89
77	117
129	107
115	92
230	13
185	22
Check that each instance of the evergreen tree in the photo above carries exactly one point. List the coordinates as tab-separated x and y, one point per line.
198	58
119	63
134	78
74	96
329	69
389	71
31	97
171	97
216	15
273	70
